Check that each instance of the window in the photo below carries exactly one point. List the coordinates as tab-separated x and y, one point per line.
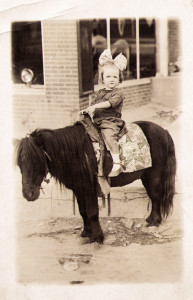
27	51
136	40
86	84
147	48
99	43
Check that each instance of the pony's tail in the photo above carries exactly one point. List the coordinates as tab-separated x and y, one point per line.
168	179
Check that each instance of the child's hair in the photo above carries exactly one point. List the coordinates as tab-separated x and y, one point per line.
101	71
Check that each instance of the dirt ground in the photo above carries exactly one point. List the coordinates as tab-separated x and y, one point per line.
52	251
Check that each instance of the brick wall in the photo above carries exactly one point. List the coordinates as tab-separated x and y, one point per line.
29	112
137	94
61	68
174	40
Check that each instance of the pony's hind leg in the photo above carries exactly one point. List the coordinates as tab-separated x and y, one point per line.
153	188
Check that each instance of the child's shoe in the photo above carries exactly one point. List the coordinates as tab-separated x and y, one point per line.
116	170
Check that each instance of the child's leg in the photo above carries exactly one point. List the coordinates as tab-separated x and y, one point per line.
110	132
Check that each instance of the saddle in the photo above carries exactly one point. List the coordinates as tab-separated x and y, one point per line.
96	137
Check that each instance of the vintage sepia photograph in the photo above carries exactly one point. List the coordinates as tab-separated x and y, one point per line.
99	142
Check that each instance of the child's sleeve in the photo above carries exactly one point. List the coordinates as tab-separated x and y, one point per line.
93	100
116	99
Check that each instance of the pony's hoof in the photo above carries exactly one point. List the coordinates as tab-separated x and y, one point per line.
152	221
85	233
149	219
151	225
97	239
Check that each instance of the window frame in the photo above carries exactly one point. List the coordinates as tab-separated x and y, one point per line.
85	64
137	52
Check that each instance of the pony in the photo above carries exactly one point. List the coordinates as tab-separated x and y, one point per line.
68	155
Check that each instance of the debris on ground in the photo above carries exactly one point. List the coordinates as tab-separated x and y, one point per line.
118	231
169	116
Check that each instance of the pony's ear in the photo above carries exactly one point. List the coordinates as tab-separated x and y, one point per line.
37	138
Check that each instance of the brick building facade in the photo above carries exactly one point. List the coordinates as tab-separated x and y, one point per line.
57	102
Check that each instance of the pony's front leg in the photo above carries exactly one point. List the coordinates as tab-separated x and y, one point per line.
87	231
93	217
97	233
88	208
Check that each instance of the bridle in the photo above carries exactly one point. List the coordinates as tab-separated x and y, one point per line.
46	155
47	169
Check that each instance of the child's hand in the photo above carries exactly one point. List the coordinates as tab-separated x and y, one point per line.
89	110
82	112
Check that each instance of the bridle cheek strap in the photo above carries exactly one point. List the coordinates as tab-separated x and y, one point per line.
47	170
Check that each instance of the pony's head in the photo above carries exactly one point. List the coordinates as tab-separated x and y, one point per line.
33	166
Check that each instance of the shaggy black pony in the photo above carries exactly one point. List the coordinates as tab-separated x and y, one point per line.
68	155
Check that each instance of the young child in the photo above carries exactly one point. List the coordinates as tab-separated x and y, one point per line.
106	106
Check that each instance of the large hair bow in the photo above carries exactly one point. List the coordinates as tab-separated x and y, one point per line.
120	60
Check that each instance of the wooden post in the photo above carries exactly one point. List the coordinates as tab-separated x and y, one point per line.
109	198
137	48
73	203
103	201
109	204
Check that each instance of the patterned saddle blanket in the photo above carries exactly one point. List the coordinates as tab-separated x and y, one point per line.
134	148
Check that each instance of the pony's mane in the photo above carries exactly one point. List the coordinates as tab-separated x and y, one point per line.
71	156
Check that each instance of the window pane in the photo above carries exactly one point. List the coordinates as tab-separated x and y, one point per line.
27	50
123	39
147	47
99	43
86	84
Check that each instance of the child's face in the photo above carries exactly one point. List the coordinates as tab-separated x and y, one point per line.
110	77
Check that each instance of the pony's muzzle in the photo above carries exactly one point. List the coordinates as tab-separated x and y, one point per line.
31	193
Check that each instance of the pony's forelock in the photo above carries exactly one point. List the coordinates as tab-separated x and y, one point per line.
32	154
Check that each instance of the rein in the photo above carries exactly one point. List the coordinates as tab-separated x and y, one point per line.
47	169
